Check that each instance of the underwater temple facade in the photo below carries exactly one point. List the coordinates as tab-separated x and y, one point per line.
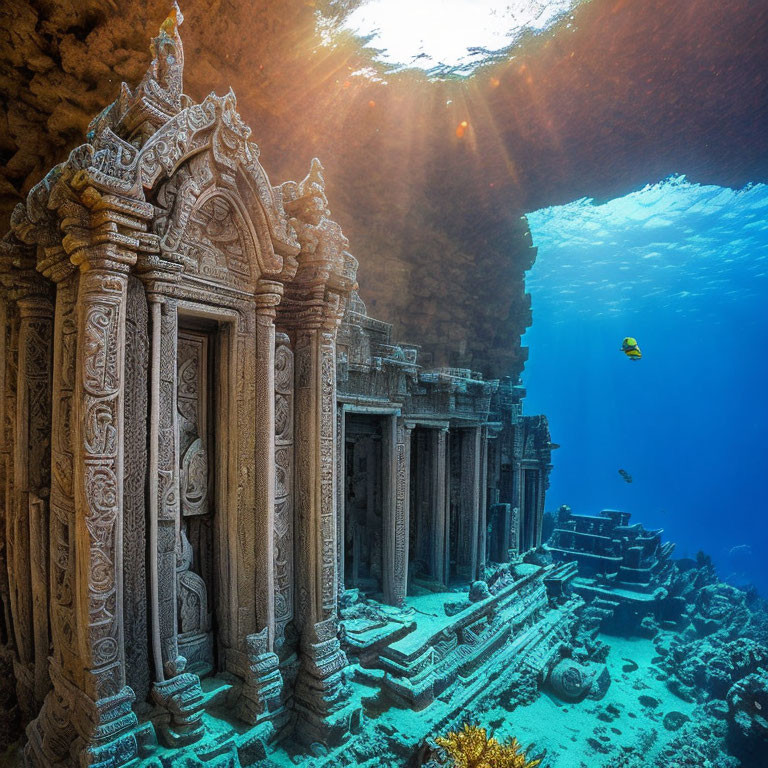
228	492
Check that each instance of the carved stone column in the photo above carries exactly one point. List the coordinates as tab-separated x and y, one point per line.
8	337
540	496
176	692
321	693
104	707
439	504
163	480
482	527
32	488
88	713
312	310
9	709
267	298
341	495
320	687
50	734
261	694
284	504
397	457
469	507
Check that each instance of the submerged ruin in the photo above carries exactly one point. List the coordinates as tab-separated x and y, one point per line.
244	522
226	485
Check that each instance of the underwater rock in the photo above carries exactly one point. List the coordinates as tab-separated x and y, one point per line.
600	684
478	591
748	717
707	668
649	627
522	689
700	743
455	606
609	713
720	608
674	720
648	702
540	556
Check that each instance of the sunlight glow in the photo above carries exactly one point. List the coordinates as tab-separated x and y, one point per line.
455	35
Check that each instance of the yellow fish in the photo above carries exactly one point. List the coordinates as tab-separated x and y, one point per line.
630	349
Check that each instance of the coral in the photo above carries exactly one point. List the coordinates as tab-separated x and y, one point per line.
720	608
748	716
699	743
522	689
471	747
708	667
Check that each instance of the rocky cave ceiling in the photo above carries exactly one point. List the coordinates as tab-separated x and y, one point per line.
632	91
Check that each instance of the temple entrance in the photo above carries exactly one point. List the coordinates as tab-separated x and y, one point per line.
363	504
195	550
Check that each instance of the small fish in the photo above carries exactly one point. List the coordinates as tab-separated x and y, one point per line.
627	477
630	348
759	706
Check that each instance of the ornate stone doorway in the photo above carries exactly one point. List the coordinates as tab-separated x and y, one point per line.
196	570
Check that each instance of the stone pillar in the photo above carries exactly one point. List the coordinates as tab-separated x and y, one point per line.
267	299
32	488
448	511
469	508
9	709
439	494
50	734
312	310
514	532
164	491
102	707
284	503
341	496
396	453
261	694
176	692
320	691
136	612
8	333
540	495
88	713
482	527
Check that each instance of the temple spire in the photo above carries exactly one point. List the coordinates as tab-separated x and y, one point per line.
136	115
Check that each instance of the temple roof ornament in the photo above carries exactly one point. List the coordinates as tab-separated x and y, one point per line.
135	116
142	148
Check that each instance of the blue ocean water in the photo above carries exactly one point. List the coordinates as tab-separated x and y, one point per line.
684	269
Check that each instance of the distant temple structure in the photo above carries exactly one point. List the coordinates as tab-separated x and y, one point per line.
223	481
622	566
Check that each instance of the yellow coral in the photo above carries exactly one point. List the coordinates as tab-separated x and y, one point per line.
472	748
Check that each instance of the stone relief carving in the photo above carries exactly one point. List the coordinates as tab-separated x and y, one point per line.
284	438
194	572
134	485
